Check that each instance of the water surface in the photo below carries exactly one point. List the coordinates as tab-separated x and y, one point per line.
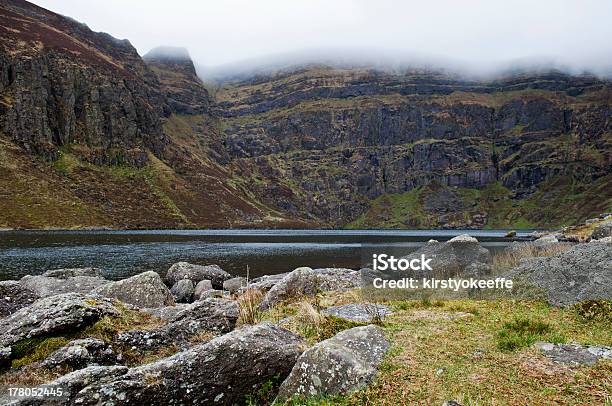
124	253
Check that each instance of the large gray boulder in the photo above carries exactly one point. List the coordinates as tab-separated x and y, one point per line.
602	230
309	282
71	385
266	282
185	321
45	286
222	371
142	290
196	273
52	315
456	257
337	366
584	272
183	291
14	296
66	273
81	353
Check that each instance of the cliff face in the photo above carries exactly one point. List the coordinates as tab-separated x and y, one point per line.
184	90
93	135
64	84
335	140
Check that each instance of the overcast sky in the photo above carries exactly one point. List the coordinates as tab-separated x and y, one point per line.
577	33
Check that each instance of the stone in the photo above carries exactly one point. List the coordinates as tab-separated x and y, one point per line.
510	234
602	230
584	272
337	366
142	290
183	291
81	353
266	282
202	287
185	321
224	370
196	273
45	286
306	281
55	314
235	284
14	296
574	354
211	294
360	313
71	272
71	384
450	259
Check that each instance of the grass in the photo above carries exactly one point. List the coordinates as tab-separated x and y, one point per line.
507	259
482	359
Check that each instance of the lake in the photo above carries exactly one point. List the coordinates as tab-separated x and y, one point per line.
124	253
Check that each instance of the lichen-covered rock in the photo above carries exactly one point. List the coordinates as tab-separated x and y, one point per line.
81	353
339	365
185	321
574	354
45	286
14	296
54	314
222	371
306	281
183	291
201	288
142	290
196	273
583	272
602	230
266	282
360	313
66	273
451	258
235	284
71	385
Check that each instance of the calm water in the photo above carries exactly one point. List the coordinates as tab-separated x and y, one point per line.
124	253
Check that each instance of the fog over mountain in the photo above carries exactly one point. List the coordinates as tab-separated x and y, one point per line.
475	36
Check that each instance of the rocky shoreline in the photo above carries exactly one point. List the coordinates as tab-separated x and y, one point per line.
191	338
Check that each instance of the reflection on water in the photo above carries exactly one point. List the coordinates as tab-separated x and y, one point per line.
125	253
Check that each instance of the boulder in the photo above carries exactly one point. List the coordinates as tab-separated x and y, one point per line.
81	353
71	272
360	313
183	291
584	272
602	230
306	281
545	241
185	321
450	259
71	385
574	354
211	294
235	284
202	287
142	290
337	366
267	281
14	296
223	371
52	315
196	273
45	286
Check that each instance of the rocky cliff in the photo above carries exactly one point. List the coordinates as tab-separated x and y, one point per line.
92	135
430	149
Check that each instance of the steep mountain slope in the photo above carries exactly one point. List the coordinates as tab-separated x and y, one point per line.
93	135
334	140
90	136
